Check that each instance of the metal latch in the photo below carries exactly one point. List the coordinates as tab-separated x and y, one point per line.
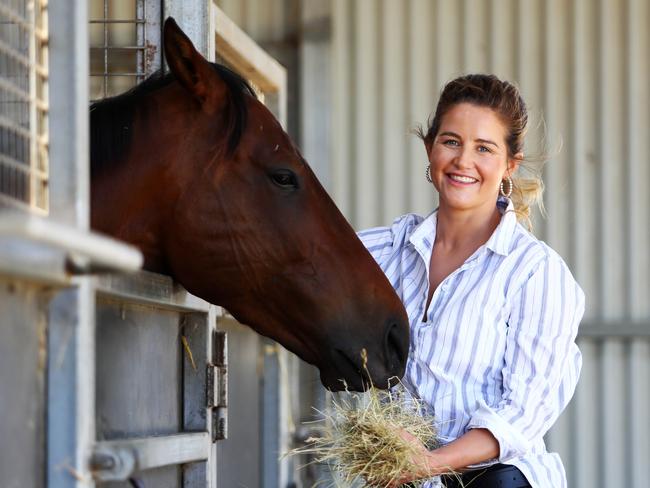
217	393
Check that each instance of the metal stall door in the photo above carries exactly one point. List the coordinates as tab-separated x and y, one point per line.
160	383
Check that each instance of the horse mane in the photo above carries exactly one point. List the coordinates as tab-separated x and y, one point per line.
111	119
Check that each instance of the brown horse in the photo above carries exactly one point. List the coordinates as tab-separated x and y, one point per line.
196	172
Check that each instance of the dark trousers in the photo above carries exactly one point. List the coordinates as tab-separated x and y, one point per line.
496	476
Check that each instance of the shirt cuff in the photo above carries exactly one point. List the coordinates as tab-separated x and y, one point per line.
511	443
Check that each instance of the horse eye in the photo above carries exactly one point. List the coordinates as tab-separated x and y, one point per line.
285	179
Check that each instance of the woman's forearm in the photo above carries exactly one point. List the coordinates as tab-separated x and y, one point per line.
476	446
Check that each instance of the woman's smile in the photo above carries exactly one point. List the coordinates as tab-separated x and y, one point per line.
461	180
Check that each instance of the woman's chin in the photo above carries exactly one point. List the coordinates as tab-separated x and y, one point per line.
454	201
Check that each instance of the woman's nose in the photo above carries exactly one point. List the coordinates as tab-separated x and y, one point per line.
463	159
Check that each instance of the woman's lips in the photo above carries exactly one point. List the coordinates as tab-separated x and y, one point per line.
461	180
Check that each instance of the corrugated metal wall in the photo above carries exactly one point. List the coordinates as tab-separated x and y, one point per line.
584	68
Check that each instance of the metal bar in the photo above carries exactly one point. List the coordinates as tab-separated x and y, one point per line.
108	75
271	426
13	16
19	20
614	330
22	95
21	166
84	249
105	51
139	48
42	141
21	58
150	289
117	21
11	124
255	64
71	387
140	40
13	202
68	151
153	36
117	460
211	465
33	120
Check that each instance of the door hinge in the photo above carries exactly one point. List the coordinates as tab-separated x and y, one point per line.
217	393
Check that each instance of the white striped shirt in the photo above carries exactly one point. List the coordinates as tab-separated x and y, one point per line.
497	350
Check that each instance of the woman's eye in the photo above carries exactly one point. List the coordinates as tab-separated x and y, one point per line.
450	142
285	179
484	149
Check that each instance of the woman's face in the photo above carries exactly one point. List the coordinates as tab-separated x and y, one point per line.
469	157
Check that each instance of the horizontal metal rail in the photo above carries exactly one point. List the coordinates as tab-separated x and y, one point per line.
118	460
113	73
117	21
15	203
22	59
151	289
614	329
11	124
8	162
86	251
22	95
21	21
118	48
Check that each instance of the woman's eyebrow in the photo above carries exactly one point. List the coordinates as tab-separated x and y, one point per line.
487	141
482	141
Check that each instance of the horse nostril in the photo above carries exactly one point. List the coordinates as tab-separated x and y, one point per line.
394	350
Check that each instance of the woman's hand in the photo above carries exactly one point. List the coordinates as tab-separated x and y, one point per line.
423	461
475	446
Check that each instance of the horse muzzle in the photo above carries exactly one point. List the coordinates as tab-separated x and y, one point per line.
359	368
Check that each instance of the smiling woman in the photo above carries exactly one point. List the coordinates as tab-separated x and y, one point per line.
494	312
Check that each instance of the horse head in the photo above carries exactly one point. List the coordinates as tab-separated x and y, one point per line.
215	194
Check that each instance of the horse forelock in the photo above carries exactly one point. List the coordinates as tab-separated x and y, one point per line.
112	119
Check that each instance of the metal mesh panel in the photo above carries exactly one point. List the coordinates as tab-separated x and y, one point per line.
118	46
23	105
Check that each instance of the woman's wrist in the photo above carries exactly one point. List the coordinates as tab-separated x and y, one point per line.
475	446
437	462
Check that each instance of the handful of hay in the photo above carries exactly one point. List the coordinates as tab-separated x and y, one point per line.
359	437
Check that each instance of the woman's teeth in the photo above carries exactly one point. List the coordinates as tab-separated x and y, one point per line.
463	179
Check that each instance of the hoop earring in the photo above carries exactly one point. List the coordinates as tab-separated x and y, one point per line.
510	187
428	174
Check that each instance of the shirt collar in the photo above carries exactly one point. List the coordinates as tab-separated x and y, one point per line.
500	240
424	235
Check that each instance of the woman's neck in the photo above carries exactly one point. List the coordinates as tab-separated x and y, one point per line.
462	229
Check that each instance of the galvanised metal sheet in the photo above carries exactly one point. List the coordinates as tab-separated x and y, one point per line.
22	384
584	69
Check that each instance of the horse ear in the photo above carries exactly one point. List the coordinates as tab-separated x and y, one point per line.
191	69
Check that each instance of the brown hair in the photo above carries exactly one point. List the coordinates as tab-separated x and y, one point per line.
504	98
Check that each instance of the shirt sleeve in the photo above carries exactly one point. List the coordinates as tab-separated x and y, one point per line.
542	362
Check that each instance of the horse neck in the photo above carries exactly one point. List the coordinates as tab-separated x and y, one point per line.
131	198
